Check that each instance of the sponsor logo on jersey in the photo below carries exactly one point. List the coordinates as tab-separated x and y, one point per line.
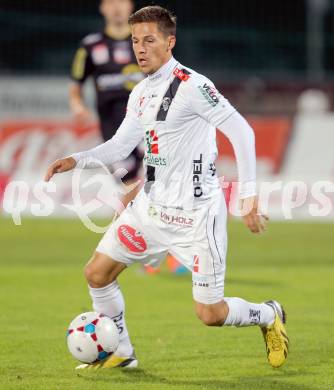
155	161
200	284
196	263
152	142
131	238
152	149
179	220
180	74
132	76
212	169
100	54
197	176
92	38
199	280
210	94
128	78
166	101
122	52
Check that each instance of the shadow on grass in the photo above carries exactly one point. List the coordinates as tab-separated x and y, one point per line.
140	377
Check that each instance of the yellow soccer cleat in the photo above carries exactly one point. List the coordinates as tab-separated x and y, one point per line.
275	337
112	361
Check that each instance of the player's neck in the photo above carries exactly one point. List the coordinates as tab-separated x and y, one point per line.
118	32
164	71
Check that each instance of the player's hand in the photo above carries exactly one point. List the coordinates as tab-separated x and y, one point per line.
252	216
81	113
63	165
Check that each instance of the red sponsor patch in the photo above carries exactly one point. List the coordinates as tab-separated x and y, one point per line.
180	74
196	263
132	239
100	54
122	53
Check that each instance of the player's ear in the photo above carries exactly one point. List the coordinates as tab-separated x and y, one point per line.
171	42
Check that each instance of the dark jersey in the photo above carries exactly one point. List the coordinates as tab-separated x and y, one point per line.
112	65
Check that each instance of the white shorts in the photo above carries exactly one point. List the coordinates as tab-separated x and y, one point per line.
146	232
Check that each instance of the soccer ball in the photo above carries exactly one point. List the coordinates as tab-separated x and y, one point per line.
92	337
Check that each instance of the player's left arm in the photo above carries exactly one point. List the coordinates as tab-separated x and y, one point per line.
82	68
213	107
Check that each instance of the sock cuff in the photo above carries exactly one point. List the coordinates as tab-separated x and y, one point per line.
110	290
230	319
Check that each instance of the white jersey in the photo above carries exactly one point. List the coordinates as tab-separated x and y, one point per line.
176	111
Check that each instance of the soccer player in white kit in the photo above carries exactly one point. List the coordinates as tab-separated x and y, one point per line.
181	208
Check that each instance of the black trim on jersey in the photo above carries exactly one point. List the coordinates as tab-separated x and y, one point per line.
214	237
213	258
169	96
150	178
150	173
161	116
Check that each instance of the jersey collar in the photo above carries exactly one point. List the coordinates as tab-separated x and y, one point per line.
163	73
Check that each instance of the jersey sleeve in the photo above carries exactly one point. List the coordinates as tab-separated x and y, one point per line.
127	137
82	66
208	103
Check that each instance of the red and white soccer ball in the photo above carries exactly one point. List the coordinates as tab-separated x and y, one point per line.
92	337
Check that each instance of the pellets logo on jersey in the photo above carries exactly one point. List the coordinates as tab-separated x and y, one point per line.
196	263
210	94
100	54
152	140
131	238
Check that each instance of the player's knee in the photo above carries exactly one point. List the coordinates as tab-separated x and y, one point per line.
212	315
95	278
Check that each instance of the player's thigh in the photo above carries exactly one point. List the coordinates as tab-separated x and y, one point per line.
206	257
133	238
102	270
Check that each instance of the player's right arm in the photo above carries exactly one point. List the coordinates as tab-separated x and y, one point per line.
82	68
127	137
208	103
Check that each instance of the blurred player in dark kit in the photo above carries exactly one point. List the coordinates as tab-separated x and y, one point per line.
108	58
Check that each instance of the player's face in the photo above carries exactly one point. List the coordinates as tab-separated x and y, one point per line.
116	11
152	48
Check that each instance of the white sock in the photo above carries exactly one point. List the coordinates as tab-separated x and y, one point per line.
243	313
109	301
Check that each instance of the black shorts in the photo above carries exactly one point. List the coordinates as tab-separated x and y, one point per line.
111	118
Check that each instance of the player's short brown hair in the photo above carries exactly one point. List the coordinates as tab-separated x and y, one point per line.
165	20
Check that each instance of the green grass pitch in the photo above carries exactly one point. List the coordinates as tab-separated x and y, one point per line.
42	288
